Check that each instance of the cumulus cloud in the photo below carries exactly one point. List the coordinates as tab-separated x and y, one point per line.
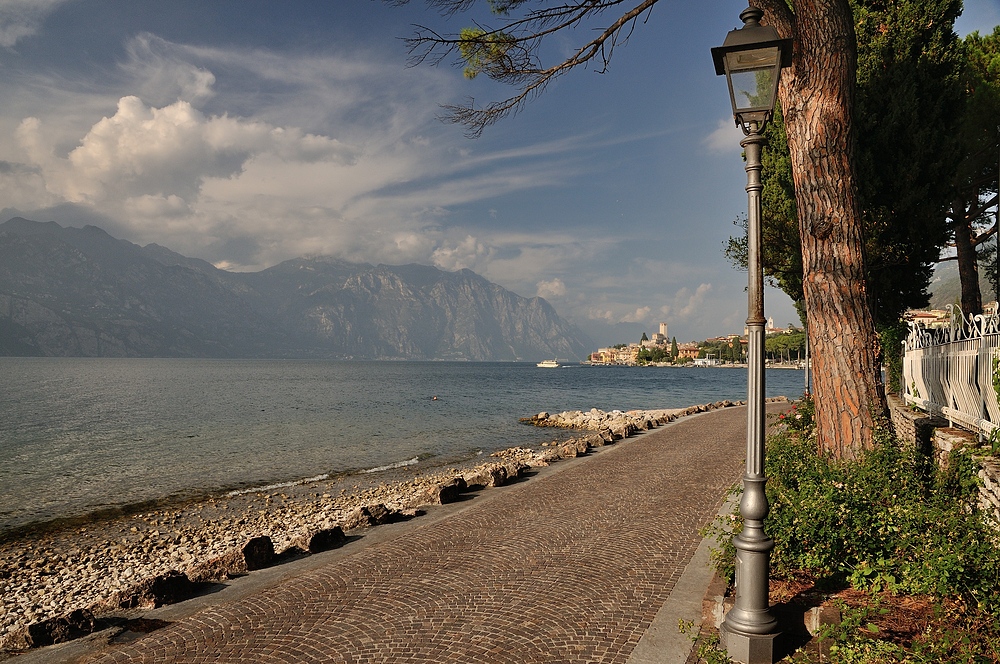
141	152
725	138
246	157
158	206
467	253
23	18
640	315
685	306
688	303
23	187
551	289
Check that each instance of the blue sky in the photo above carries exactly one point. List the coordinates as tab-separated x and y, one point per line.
247	132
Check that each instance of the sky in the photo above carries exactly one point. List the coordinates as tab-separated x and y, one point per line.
248	132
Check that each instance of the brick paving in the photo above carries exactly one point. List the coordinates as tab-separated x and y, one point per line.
571	566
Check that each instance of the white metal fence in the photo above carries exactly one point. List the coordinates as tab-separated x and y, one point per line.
950	371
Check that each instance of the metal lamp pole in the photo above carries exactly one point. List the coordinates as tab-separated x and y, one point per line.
749	628
751	59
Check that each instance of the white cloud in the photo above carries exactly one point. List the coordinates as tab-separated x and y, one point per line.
725	138
163	77
23	18
157	206
687	304
468	253
166	152
22	186
204	149
552	289
640	315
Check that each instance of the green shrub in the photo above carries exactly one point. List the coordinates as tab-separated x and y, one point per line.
888	522
892	338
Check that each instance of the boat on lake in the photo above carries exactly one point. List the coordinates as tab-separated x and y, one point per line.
548	364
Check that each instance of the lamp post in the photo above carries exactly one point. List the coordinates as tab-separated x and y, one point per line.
751	58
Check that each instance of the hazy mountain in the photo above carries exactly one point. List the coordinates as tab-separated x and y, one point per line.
81	292
946	287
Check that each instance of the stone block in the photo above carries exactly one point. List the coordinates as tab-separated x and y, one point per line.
320	540
158	591
60	630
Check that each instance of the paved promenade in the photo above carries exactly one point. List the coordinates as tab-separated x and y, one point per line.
569	566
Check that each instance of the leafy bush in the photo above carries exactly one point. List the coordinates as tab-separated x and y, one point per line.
889	522
892	338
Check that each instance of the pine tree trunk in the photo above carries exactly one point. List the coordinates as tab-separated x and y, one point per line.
968	268
817	100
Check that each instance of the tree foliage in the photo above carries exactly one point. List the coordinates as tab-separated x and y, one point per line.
907	113
654	354
974	183
724	350
484	51
907	110
781	250
786	346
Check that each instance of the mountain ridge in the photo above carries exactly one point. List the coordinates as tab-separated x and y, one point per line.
82	292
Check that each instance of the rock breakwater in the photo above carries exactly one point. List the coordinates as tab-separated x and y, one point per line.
61	585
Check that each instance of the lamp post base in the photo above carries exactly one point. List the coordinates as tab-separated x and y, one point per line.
748	648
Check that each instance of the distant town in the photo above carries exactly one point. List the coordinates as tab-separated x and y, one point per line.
782	346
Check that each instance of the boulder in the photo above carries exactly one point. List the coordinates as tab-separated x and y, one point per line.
573	447
257	553
514	468
157	591
486	475
548	456
567	452
320	540
368	515
61	629
447	492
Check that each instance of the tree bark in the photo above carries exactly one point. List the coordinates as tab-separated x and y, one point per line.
817	95
965	253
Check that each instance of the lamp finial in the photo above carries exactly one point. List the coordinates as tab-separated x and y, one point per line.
751	17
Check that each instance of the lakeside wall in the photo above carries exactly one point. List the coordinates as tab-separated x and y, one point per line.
933	436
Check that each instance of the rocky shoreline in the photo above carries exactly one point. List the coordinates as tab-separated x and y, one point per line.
67	583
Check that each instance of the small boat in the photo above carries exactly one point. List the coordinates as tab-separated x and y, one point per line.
548	364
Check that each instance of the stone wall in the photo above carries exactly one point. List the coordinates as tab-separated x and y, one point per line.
989	493
913	426
933	435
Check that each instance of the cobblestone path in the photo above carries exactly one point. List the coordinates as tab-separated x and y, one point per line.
571	566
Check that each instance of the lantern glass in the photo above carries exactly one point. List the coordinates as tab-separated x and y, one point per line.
753	75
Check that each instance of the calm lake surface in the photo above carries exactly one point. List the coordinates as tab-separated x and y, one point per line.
79	435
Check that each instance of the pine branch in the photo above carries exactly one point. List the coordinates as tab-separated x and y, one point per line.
509	54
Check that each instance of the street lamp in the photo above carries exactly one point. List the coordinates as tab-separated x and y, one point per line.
751	58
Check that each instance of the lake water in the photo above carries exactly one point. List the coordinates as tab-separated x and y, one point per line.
79	435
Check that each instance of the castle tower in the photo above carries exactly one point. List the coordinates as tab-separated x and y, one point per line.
663	329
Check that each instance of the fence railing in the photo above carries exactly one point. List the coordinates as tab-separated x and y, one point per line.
952	370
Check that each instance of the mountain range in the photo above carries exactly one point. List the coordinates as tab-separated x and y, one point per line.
81	292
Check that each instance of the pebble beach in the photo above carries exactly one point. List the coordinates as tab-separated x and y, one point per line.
59	582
